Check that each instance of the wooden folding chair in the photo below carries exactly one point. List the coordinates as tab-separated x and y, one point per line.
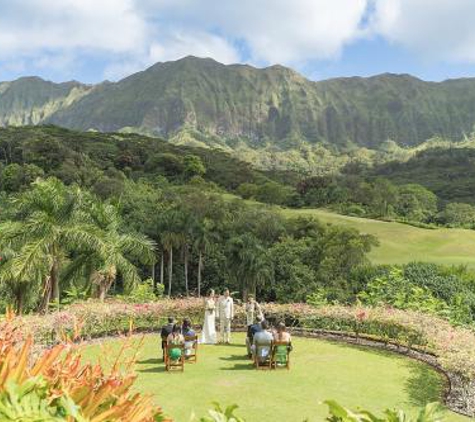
193	351
275	363
178	364
265	363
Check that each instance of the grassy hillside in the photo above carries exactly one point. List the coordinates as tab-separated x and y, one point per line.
401	243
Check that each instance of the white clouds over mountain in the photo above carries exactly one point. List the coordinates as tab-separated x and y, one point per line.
33	26
130	34
438	29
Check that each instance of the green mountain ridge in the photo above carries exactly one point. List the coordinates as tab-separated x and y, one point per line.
203	102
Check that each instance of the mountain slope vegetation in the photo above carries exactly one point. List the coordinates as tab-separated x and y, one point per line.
231	105
102	161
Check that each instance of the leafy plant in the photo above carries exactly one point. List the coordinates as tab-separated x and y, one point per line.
57	386
338	413
217	414
144	293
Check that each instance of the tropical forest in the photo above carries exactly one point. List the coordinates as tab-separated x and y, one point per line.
238	242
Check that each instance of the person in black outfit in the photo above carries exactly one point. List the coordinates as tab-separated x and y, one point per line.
167	329
251	330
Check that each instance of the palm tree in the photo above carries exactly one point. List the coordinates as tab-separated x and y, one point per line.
118	247
20	289
51	219
172	238
248	263
204	238
188	223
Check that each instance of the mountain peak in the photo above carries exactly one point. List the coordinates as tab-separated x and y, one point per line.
273	105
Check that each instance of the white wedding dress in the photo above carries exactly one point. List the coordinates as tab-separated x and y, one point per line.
208	335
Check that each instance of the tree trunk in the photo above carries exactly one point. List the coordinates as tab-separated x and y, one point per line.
170	271
245	294
43	307
200	268
54	274
162	281
102	291
154	281
109	279
186	270
19	301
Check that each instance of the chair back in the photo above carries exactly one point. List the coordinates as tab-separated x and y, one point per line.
263	356
278	359
175	364
191	353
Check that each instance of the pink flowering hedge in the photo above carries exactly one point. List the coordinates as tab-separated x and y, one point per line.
453	347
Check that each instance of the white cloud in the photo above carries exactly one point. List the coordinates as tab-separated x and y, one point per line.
33	26
292	31
128	35
283	31
174	45
202	44
441	30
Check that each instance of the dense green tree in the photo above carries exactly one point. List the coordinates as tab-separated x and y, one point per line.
50	221
456	214
416	203
294	277
247	190
193	166
119	246
172	238
249	265
385	196
14	177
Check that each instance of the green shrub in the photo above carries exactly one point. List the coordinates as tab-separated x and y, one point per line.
217	414
144	293
338	413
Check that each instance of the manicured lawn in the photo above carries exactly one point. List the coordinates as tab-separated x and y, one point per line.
320	370
401	243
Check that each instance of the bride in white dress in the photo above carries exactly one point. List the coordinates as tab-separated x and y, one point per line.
208	335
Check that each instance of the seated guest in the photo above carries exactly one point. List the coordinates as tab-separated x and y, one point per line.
262	342
165	332
281	333
187	331
251	331
175	338
280	336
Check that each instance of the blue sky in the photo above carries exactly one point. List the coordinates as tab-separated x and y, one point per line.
91	40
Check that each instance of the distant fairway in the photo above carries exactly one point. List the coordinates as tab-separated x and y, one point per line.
401	243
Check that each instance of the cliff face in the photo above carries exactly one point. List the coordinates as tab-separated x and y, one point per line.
274	105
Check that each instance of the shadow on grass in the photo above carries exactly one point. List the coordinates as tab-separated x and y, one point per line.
157	367
241	363
152	370
233	358
151	361
425	385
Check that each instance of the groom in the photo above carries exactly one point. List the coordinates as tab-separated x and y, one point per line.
226	314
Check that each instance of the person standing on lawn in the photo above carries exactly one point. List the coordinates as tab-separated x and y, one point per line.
226	315
253	311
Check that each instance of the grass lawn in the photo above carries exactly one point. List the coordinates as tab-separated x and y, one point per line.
320	370
401	243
